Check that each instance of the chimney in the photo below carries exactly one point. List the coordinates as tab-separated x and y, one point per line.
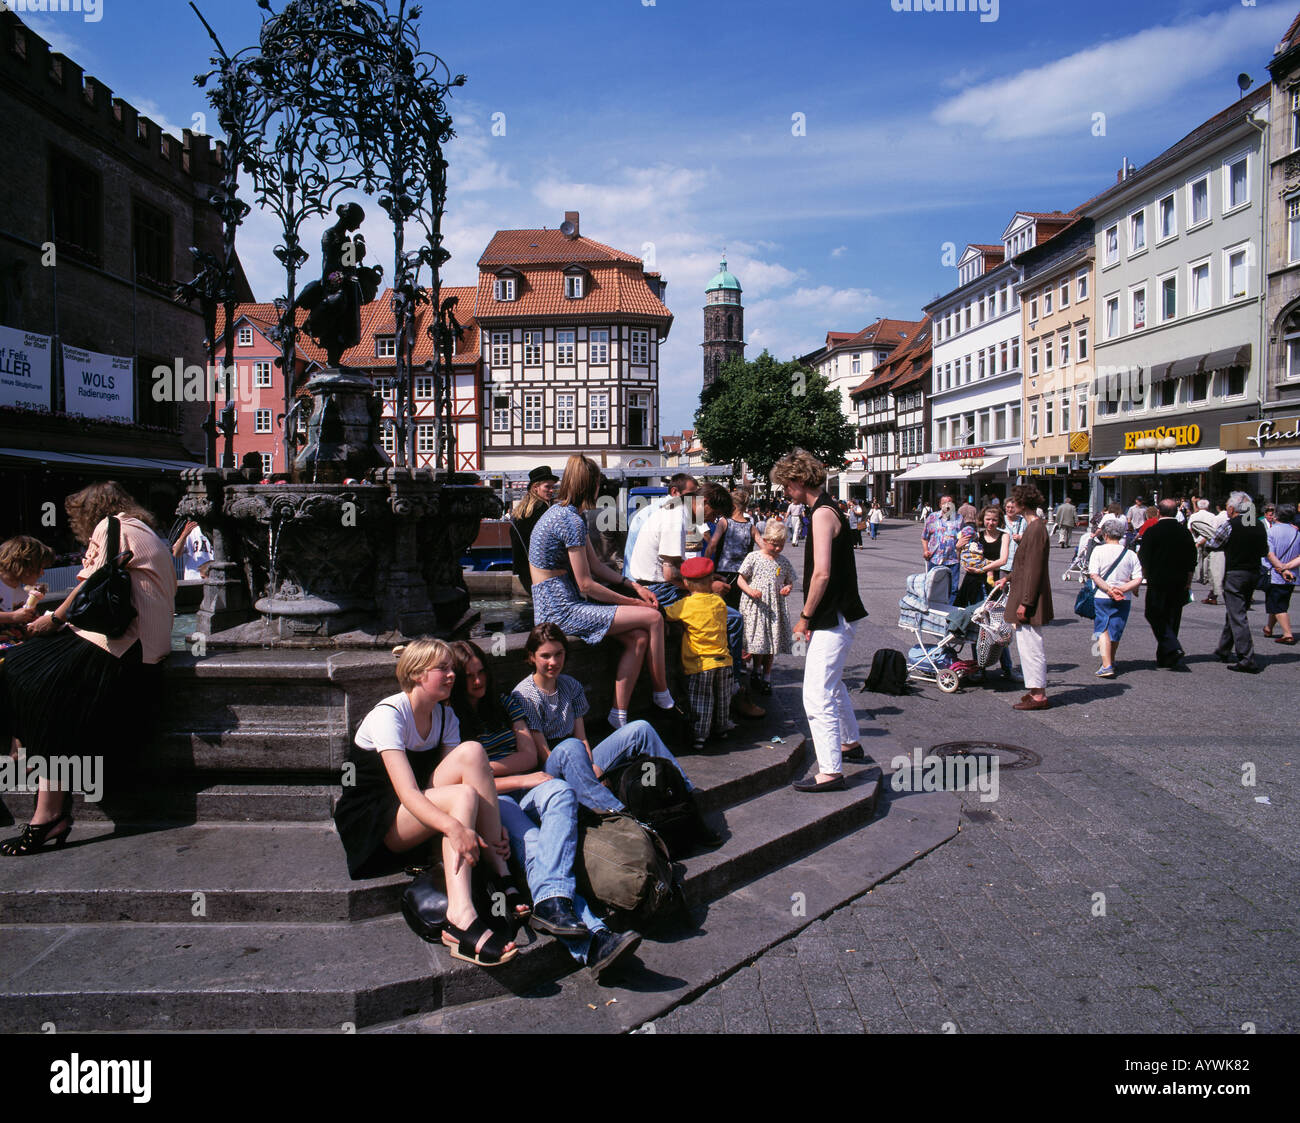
572	218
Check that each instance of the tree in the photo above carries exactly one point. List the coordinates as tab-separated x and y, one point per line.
759	411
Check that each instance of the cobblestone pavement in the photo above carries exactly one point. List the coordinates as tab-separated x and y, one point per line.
1131	882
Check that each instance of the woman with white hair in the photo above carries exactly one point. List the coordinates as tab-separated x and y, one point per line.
1115	570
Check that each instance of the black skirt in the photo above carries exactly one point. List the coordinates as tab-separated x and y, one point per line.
60	695
368	807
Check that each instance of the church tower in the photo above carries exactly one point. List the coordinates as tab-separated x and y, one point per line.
724	323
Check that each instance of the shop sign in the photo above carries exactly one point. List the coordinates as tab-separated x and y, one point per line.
961	453
1280	432
1079	443
1183	434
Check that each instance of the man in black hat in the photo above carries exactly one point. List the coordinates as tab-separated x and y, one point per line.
524	516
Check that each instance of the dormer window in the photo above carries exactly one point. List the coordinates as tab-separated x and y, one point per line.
573	286
503	288
385	346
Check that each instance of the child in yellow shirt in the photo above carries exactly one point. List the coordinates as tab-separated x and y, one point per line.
705	657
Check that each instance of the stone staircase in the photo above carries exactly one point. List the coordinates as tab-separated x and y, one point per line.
212	923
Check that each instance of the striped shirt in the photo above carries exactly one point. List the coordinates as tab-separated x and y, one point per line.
552	715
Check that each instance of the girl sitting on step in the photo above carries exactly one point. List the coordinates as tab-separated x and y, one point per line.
415	778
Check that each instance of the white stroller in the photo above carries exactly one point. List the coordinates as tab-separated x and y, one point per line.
941	631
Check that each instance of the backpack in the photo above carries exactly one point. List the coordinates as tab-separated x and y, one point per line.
888	673
655	793
624	867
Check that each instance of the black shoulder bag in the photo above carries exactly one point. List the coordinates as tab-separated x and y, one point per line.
103	603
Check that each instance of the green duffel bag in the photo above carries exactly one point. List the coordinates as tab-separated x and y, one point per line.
624	868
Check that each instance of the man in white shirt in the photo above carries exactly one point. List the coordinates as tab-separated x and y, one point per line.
1210	563
1137	514
794	520
195	552
655	558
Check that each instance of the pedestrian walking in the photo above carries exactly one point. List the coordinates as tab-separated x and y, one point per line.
875	518
1066	517
1168	554
1283	564
1244	543
1137	514
1203	523
831	607
1116	571
1029	597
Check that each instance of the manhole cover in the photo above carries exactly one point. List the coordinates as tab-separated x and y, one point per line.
1009	757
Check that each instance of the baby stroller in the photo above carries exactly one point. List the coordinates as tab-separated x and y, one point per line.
941	631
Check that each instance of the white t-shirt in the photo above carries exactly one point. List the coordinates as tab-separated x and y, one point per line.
1102	559
391	725
198	552
664	534
12	599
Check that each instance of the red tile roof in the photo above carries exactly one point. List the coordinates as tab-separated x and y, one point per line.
617	288
546	247
902	364
883	333
1290	39
264	317
377	319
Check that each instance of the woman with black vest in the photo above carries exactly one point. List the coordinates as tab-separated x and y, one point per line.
831	605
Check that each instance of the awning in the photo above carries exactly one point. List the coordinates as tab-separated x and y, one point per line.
1160	371
949	470
1238	356
1265	460
1180	368
87	460
1180	460
1228	357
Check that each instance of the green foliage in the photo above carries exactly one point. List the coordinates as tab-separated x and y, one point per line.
759	411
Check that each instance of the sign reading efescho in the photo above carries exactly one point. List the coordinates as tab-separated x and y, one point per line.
1183	434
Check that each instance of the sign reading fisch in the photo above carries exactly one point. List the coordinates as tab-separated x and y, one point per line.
1183	434
1279	432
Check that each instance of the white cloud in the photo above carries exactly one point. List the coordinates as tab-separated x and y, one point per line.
839	251
1116	77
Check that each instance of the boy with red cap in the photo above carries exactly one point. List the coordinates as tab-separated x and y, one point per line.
705	657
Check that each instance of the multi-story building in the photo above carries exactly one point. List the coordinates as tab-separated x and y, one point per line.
1180	305
570	334
1056	303
892	416
845	360
1272	455
98	207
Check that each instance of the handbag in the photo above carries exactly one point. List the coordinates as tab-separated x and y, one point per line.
1085	602
103	603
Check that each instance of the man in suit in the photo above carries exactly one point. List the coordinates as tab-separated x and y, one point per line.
1244	543
1167	552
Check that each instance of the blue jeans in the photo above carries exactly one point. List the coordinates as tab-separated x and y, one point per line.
543	827
668	594
873	530
569	762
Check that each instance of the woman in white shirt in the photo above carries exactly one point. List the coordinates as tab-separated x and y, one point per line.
1116	572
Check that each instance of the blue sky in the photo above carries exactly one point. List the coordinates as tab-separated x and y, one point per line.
672	123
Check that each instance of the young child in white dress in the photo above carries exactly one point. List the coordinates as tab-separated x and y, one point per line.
766	579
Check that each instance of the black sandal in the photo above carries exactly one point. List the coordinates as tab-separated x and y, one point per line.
34	837
464	944
517	907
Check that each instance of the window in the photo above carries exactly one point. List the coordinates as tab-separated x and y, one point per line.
981	368
384	388
1003	352
967	378
1047	354
1081	286
1083	408
1168	221
385	346
1137	232
1063	344
640	348
573	286
999	425
1047	302
262	421
943	434
1112	317
1236	183
245	337
1232	382
266	464
151	231
564	347
1049	418
503	288
1198	194
75	203
1112	245
1166	393
532	348
1002	301
1140	308
1293	230
500	348
598	411
1033	422
1198	388
1292	369
565	410
1065	293
1168	298
1295	119
424	439
638	419
424	386
261	375
1033	309
857	364
1015	353
1235	274
1083	344
1200	286
532	413
500	413
1065	413
388	439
